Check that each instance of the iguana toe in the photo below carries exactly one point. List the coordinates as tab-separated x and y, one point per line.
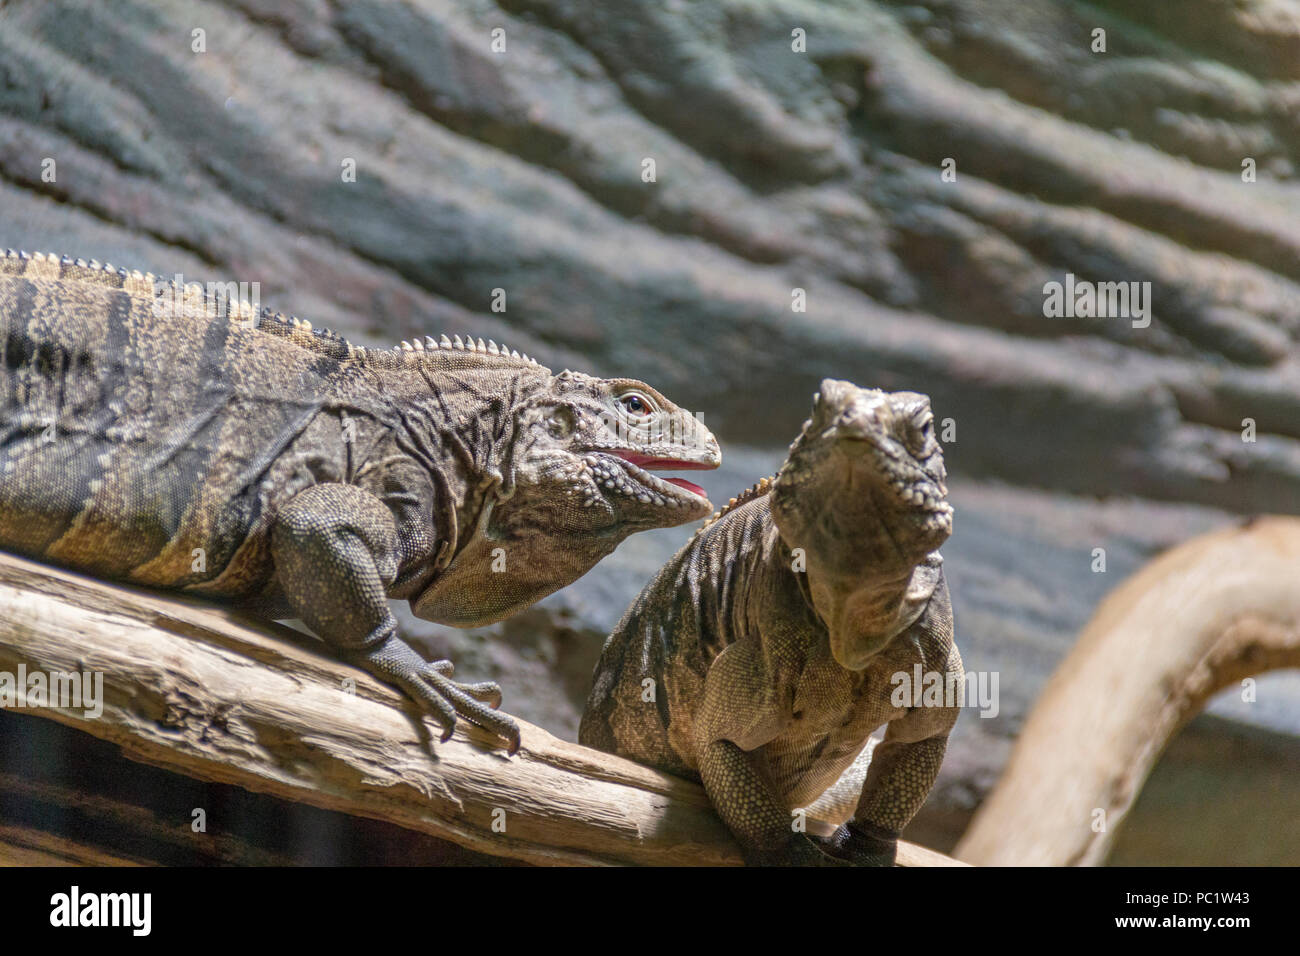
476	703
863	845
429	684
439	707
489	692
799	850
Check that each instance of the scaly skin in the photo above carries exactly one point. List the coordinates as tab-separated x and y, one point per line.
770	640
148	435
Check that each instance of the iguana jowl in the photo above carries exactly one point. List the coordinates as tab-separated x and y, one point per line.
149	436
771	640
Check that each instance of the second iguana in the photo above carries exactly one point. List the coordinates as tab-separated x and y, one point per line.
763	656
150	435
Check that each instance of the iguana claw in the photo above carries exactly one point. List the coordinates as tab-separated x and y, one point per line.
863	845
849	845
429	684
799	850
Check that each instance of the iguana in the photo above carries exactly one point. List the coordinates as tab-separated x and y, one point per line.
152	434
764	654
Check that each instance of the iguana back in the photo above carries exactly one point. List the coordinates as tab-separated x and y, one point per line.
129	442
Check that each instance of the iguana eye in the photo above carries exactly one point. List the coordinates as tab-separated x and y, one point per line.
636	404
921	434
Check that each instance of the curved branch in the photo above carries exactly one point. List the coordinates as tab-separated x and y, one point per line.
1202	616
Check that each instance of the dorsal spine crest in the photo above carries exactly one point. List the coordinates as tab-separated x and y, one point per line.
291	328
756	490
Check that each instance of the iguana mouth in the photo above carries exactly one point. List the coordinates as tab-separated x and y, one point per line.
912	487
913	492
927	506
641	464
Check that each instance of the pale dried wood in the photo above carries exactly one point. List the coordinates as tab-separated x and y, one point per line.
208	693
1201	617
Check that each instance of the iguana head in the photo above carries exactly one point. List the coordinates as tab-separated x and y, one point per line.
863	494
577	478
584	455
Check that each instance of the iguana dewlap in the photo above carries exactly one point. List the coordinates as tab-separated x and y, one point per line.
151	436
763	656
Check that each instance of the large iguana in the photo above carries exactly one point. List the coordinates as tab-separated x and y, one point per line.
152	435
763	656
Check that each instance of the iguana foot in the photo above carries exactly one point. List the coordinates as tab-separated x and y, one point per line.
799	850
429	684
863	845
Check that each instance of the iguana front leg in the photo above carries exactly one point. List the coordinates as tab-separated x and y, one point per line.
730	727
744	799
899	779
336	549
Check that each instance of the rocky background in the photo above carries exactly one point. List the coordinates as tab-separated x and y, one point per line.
775	170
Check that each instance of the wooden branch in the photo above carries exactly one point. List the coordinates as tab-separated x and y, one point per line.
1201	617
207	693
25	846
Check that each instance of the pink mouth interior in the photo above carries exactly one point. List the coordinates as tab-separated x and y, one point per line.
651	464
688	485
657	464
